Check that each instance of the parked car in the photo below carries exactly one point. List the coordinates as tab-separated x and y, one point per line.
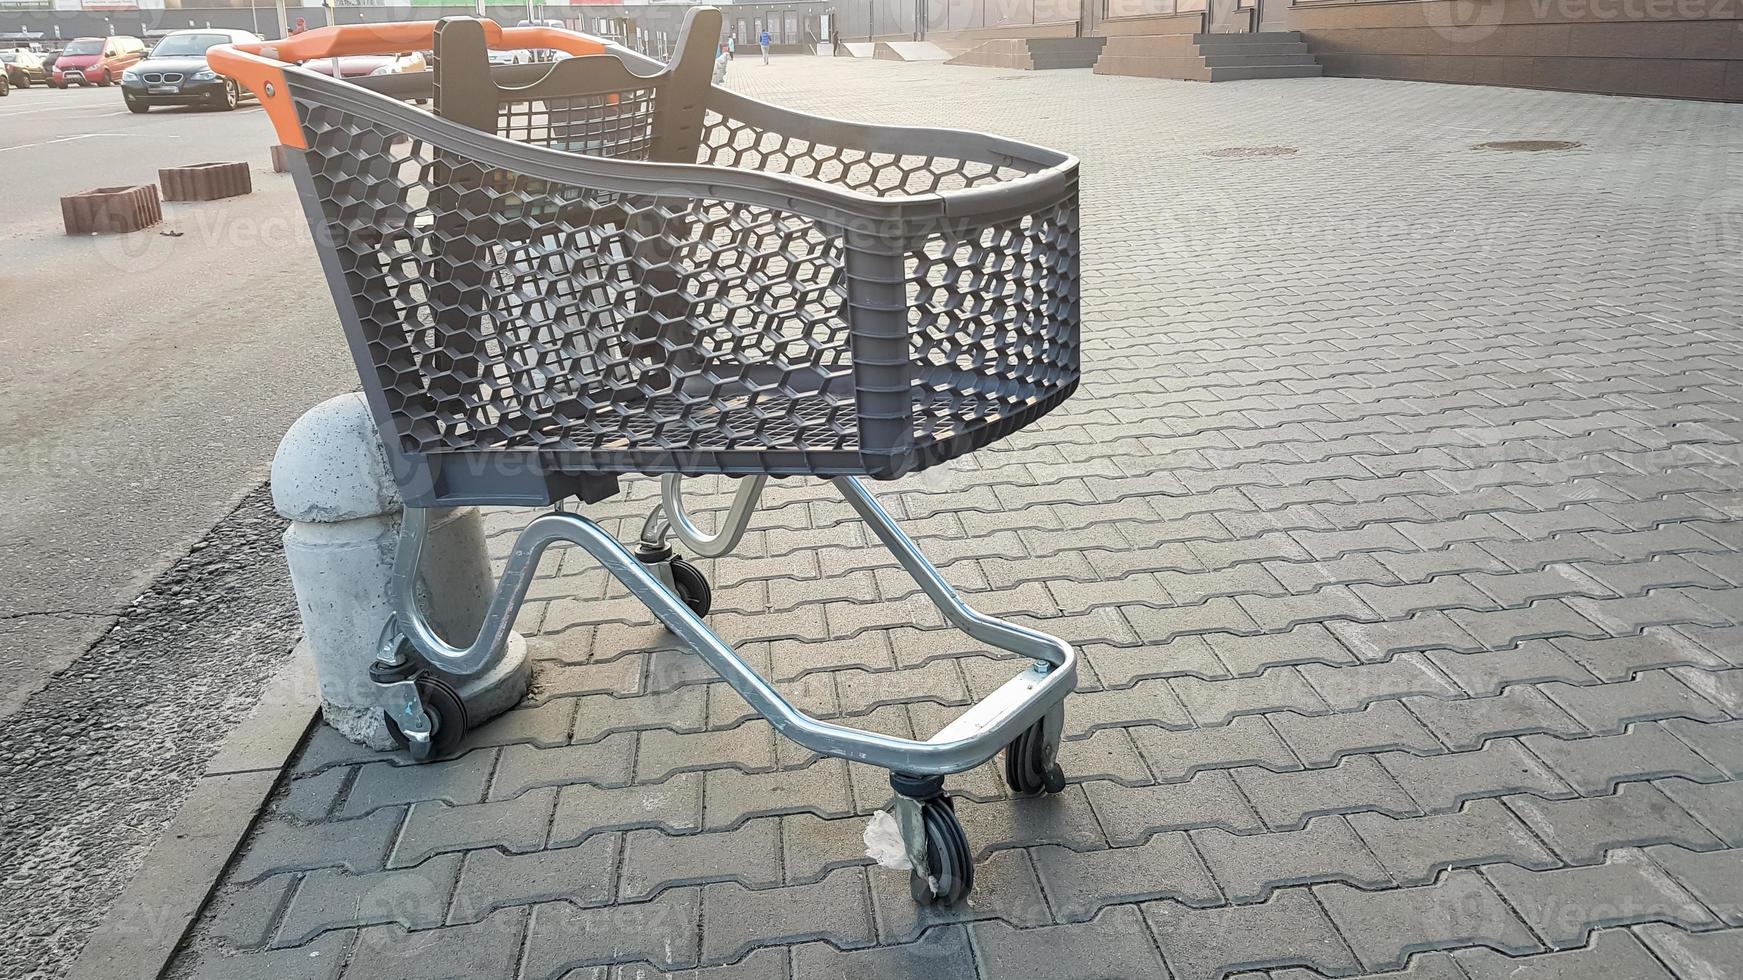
23	68
176	73
97	60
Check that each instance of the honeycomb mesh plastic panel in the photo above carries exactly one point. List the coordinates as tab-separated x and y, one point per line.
618	125
993	321
729	142
608	331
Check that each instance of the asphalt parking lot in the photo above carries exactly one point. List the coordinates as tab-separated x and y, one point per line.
148	355
144	384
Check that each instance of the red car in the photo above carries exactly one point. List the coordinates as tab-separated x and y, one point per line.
96	60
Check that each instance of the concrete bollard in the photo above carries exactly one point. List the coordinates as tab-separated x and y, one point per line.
331	480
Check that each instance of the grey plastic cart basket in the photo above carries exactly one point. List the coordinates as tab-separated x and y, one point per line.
609	266
602	265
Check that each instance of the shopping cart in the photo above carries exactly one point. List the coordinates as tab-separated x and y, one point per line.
598	265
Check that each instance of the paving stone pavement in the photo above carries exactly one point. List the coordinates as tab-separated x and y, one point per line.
1398	522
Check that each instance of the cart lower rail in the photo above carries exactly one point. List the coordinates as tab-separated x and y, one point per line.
1024	718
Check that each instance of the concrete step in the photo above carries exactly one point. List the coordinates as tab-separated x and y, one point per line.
1040	54
1265	37
1212	50
1264	71
1257	60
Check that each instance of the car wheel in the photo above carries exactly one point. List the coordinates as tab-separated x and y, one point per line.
5	87
24	82
136	106
103	80
231	96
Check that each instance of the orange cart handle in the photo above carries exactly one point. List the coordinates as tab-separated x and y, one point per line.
259	65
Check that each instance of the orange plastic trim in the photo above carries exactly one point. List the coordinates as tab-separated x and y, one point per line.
259	66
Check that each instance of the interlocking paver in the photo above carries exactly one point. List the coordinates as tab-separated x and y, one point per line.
1583	830
492	879
1289	930
1248	740
1612	953
661	933
1608	709
652	861
1079	883
321	959
1714	878
1482	674
941	952
1415	850
243	917
1402	556
1442	782
820	787
738	919
1348	688
1130	814
1287	799
1461	909
487	948
434	827
1216	702
1114	944
1564	906
1595	765
524	767
1706	954
1322	740
1719	744
382	784
1250	866
415	898
357	845
584	809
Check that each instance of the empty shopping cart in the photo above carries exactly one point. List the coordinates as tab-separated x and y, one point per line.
591	264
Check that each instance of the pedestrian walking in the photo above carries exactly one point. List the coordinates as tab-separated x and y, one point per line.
731	47
763	40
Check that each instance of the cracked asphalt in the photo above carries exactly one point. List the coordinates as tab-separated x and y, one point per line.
101	758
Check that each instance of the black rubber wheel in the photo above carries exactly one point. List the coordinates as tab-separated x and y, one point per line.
232	96
137	107
447	716
948	854
1029	767
691	587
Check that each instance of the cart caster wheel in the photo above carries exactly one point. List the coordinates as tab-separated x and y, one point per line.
691	587
947	854
447	717
1030	766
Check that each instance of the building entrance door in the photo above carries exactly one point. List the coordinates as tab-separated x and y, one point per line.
1273	15
1229	17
